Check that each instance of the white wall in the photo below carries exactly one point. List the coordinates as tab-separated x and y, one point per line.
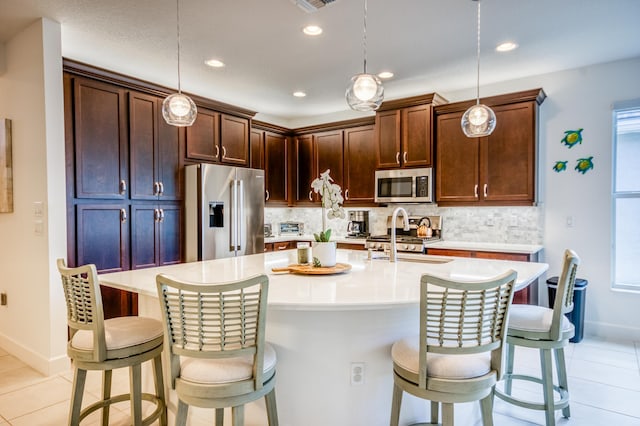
32	325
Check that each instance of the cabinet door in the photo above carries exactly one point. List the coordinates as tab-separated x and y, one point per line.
275	167
508	155
170	234
388	139
305	172
457	171
142	140
416	136
100	140
234	140
144	243
359	165
203	141
256	154
329	154
102	236
170	149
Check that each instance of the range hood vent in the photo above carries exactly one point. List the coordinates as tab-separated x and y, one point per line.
311	6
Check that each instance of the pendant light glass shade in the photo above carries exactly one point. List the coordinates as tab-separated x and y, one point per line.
365	93
479	120
179	109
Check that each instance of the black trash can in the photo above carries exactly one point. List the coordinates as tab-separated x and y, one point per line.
577	315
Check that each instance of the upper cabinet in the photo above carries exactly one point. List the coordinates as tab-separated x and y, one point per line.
359	165
215	137
99	139
404	132
234	140
156	151
269	150
499	169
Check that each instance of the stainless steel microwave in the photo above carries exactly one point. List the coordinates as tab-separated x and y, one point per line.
404	186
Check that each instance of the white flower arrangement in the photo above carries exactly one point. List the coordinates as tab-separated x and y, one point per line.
332	199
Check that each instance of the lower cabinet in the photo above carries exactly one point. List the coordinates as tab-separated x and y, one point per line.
280	245
525	296
156	237
351	246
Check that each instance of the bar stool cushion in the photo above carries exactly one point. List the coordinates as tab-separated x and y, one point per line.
121	332
224	370
534	318
405	354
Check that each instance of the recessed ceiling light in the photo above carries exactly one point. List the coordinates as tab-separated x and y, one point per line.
299	94
385	74
312	30
506	47
215	63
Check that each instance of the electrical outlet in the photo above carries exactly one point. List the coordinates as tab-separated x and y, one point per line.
3	299
357	373
569	222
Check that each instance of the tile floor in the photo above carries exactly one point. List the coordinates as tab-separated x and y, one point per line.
604	381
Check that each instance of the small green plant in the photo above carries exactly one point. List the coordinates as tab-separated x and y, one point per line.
316	263
324	236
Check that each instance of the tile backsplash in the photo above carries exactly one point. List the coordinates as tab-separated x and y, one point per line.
512	225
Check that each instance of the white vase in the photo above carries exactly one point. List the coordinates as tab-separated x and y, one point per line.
325	253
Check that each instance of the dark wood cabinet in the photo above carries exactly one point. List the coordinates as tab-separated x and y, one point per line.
234	140
280	245
499	169
100	139
404	132
329	155
156	151
216	137
305	170
203	137
256	149
156	234
276	169
103	236
359	165
525	296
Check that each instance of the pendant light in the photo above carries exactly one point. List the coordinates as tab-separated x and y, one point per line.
179	109
479	120
365	93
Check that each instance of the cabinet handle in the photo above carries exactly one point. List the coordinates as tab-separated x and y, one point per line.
156	215
161	217
310	192
346	194
283	247
475	191
123	215
398	157
486	190
217	151
161	188
224	152
404	157
156	189
267	198
123	187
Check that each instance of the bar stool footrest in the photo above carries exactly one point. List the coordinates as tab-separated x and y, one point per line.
558	404
103	403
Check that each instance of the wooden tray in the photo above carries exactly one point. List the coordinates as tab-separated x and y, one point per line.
312	270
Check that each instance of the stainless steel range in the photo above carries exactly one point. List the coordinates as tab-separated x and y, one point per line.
422	231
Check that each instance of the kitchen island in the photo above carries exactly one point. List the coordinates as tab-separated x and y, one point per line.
324	327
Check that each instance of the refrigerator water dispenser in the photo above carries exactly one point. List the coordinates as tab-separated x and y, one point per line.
216	214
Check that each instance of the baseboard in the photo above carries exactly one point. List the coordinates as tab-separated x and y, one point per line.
47	367
611	331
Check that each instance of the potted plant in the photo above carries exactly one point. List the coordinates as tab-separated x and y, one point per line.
324	250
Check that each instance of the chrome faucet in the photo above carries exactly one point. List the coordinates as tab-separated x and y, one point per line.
392	250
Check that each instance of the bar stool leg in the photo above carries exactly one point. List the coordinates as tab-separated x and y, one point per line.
511	350
135	380
396	402
547	385
562	377
435	412
106	394
79	379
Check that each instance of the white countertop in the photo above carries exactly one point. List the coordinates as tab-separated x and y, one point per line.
310	237
370	284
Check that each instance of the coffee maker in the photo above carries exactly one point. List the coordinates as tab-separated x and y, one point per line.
358	226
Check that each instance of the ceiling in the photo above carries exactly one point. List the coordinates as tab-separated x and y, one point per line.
430	45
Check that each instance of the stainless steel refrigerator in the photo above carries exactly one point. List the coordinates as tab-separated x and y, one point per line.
224	211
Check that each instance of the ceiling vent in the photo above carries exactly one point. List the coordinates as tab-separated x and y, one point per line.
311	6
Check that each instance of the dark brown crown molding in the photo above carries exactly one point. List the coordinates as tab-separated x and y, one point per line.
262	125
429	98
337	125
537	95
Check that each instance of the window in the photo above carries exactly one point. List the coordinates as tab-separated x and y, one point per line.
626	197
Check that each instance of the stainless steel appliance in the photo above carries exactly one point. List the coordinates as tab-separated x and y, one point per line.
224	208
267	230
291	228
404	186
358	226
415	240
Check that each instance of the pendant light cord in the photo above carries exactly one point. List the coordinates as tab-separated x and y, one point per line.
478	59
178	32
364	37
